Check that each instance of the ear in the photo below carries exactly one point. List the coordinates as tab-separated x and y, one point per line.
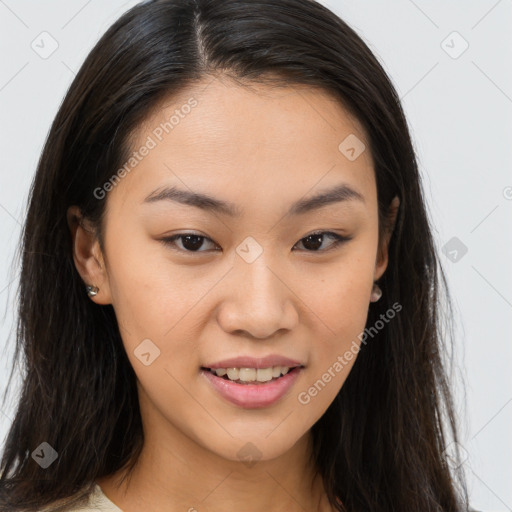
87	255
382	256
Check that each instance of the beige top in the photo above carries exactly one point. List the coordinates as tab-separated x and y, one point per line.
98	502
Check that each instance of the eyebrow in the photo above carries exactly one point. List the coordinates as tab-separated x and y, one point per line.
339	193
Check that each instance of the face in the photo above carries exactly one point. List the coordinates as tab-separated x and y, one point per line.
258	270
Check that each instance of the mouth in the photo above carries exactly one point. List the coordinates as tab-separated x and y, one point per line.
254	376
252	388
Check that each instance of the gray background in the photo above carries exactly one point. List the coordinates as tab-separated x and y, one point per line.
458	102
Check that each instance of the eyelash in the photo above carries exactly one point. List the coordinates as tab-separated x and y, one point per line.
338	240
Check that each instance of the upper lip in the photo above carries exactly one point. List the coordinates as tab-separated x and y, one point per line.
254	362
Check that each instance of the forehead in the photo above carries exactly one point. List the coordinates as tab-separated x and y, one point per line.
217	134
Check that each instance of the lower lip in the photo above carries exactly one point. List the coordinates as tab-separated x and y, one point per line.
253	396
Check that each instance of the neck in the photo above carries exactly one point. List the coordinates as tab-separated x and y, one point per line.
177	474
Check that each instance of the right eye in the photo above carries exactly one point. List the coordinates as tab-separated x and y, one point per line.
191	242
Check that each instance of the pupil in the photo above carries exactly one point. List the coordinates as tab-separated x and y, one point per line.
317	238
193	246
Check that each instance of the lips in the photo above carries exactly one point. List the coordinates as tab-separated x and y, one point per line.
254	362
253	395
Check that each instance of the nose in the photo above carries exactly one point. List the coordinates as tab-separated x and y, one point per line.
257	300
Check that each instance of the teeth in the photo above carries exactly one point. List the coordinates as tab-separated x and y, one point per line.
233	373
264	374
247	374
252	374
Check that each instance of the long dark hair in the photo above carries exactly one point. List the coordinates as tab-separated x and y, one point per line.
380	445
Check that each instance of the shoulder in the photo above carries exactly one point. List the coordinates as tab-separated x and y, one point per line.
96	501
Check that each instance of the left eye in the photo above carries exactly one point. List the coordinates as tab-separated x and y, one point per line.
316	240
192	242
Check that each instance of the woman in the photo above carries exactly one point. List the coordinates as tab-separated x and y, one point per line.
230	294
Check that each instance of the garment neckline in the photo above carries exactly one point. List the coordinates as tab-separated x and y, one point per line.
107	501
103	497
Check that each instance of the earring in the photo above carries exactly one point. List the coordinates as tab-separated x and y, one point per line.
376	293
92	290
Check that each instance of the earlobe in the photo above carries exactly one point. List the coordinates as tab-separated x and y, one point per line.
88	257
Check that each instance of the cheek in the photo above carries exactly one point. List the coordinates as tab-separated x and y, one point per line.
338	294
340	303
157	308
148	294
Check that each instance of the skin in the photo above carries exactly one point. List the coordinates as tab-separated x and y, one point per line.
261	149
